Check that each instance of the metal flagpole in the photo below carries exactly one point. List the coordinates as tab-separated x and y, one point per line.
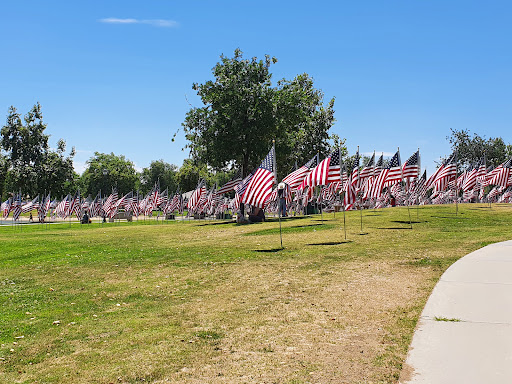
342	197
401	180
320	204
275	180
417	179
358	184
456	187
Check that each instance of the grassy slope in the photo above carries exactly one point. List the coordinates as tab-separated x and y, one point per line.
196	302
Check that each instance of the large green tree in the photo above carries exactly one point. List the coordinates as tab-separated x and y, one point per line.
471	148
242	113
107	171
192	171
161	173
58	175
32	167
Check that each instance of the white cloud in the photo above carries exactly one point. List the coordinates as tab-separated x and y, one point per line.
154	22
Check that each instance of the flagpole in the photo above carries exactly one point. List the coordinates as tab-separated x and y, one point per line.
358	184
279	202
320	205
456	187
401	180
417	179
342	197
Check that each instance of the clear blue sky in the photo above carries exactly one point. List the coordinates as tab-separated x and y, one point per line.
115	76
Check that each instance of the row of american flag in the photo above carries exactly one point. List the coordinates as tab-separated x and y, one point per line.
327	182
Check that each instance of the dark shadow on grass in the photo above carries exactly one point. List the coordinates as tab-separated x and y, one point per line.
363	233
407	222
304	226
268	250
322	220
451	217
395	227
332	242
217	223
287	218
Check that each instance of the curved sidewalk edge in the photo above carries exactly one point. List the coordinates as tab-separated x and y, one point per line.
464	334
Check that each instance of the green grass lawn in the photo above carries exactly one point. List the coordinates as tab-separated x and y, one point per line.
217	302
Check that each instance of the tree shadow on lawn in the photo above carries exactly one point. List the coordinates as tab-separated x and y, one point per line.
332	242
287	218
268	250
395	227
217	223
451	217
407	222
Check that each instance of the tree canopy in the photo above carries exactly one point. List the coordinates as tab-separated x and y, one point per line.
242	113
107	171
30	164
471	148
161	173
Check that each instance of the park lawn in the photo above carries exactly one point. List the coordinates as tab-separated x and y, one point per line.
217	302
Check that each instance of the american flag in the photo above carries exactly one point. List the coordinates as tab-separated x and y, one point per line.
174	203
380	162
142	204
328	193
495	192
421	185
501	174
124	202
132	204
162	199
234	204
295	178
328	171
507	196
95	206
444	174
231	184
355	171
367	171
470	180
388	176
74	205
30	205
260	186
242	186
394	170
109	206
198	197
61	209
153	200
16	207
6	207
411	167
370	182
211	201
350	193
86	204
44	208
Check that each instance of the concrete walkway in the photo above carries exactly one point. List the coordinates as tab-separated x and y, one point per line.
464	334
